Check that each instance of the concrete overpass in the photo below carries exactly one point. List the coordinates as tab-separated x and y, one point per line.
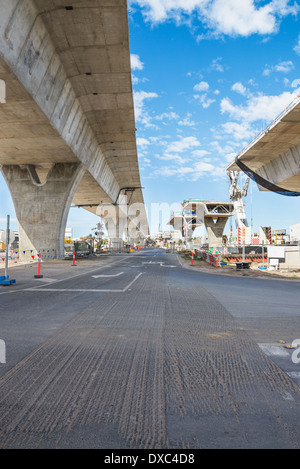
273	158
67	130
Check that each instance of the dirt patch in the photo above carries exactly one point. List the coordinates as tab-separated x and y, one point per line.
230	269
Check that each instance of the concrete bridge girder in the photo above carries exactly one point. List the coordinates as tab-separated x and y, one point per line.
67	80
274	155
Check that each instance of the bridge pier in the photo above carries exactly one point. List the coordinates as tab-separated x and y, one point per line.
42	207
115	222
215	228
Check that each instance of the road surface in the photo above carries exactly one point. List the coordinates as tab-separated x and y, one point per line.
135	351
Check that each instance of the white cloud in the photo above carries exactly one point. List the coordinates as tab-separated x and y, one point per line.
172	157
167	115
221	149
204	100
142	142
186	121
136	63
141	113
175	152
296	83
297	47
200	153
238	131
234	17
215	65
157	11
202	86
239	88
231	17
259	107
192	173
182	145
283	67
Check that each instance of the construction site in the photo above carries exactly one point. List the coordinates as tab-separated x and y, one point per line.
265	249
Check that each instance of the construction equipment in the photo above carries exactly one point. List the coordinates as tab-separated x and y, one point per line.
236	194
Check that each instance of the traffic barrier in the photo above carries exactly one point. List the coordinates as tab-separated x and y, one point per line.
38	275
212	259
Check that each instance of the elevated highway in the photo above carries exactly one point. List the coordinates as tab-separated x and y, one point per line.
67	126
273	158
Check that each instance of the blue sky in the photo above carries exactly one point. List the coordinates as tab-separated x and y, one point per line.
208	75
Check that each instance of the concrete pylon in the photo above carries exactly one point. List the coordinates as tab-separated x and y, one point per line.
114	217
215	229
42	207
115	223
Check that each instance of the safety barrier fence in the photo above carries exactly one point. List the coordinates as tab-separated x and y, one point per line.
50	254
44	254
213	259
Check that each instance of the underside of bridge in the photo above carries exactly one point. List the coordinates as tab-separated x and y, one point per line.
273	158
68	113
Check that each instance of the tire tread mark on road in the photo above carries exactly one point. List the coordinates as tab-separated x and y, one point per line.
158	367
46	381
105	365
214	368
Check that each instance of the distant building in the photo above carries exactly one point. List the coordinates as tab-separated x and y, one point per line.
68	233
295	233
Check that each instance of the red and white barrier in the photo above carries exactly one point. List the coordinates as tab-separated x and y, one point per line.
212	259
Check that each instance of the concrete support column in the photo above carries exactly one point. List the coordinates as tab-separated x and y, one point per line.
115	243
115	221
215	230
42	207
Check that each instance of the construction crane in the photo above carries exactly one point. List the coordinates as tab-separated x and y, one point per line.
236	193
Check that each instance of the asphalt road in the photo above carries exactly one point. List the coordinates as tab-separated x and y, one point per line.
136	351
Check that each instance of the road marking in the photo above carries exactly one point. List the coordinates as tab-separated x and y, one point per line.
274	350
106	276
287	396
47	280
162	264
294	374
106	266
151	262
131	283
74	290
